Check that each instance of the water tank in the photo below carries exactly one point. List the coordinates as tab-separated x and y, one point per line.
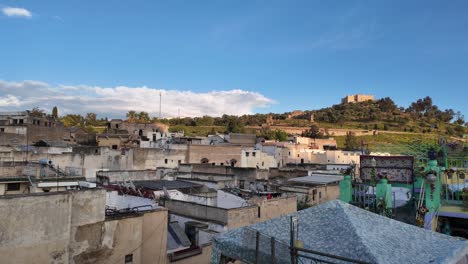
45	162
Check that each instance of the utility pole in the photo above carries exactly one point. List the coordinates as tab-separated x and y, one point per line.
160	104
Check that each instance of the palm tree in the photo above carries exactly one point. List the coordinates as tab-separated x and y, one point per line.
143	116
132	116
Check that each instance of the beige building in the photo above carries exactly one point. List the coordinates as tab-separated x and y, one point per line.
253	158
313	190
21	128
215	154
357	98
71	227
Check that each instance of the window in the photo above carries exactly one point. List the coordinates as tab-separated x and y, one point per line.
129	258
165	161
247	154
114	147
222	164
263	163
154	137
241	184
253	154
320	195
179	161
289	153
21	121
314	193
116	125
13	186
2	129
259	213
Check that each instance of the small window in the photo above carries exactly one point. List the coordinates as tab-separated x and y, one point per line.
247	154
2	129
298	155
21	121
253	154
116	125
289	153
263	163
320	195
115	147
222	163
165	161
179	161
241	184
259	212
314	193
13	186
129	258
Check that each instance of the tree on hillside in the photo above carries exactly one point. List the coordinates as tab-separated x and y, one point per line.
205	121
55	112
91	119
234	125
313	132
36	112
387	105
460	119
72	120
351	142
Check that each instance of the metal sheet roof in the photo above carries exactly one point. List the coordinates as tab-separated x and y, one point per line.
317	179
170	185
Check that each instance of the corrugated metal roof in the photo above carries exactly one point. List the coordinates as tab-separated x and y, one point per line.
317	179
160	184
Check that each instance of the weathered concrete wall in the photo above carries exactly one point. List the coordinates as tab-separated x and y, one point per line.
197	211
35	229
244	216
251	158
70	227
109	242
214	154
277	207
152	158
12	139
287	173
128	175
203	258
266	209
90	159
313	195
236	217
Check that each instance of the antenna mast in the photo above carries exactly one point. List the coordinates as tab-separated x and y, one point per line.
160	104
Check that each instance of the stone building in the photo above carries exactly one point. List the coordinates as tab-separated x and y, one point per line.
313	190
72	227
26	127
357	98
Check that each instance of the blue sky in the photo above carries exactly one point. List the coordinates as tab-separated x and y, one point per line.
283	55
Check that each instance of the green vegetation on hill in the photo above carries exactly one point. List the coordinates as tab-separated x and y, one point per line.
422	116
377	142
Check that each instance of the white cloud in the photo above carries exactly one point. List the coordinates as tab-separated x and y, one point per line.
116	101
16	12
